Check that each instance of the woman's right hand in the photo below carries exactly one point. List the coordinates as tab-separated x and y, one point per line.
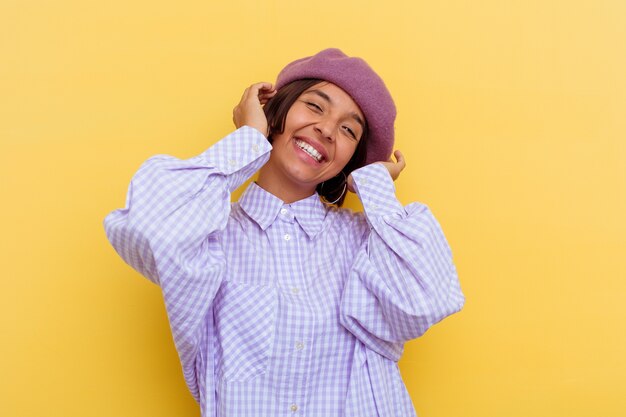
249	111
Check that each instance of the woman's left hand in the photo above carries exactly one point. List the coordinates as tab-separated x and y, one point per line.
394	168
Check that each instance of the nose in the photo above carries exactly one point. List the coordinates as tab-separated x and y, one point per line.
325	128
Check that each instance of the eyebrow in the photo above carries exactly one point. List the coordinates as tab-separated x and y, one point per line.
327	98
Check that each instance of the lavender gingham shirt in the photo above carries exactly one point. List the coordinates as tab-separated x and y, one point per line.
285	309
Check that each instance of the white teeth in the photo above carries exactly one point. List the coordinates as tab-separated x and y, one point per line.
309	149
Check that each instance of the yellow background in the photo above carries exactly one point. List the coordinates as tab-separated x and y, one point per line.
511	116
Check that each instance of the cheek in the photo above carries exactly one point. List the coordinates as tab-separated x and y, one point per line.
346	151
296	118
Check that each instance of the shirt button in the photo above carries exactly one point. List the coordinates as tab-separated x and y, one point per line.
283	211
295	290
255	147
364	181
299	345
287	236
232	162
374	206
294	407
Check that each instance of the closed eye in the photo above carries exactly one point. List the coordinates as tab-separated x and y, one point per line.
350	132
314	106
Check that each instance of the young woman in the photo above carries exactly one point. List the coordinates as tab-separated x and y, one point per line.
284	304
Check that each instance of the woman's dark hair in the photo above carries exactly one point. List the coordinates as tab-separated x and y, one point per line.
276	110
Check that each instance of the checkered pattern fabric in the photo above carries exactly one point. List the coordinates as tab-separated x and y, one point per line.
285	309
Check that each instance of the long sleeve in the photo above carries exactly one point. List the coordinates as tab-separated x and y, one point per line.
169	231
403	279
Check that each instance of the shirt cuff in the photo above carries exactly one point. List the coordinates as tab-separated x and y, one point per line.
375	189
239	155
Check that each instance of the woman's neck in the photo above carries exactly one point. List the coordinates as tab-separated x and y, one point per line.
274	182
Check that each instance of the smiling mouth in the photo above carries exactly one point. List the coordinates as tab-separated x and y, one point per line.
311	151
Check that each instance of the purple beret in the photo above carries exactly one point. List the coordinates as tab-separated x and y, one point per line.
359	80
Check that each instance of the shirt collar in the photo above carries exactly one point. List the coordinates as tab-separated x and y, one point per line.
263	207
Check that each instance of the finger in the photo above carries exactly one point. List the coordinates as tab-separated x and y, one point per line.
400	158
256	93
271	90
266	96
255	89
263	98
263	85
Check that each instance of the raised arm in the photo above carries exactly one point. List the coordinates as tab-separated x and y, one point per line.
403	279
170	229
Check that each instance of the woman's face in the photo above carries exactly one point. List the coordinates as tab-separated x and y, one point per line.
322	130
